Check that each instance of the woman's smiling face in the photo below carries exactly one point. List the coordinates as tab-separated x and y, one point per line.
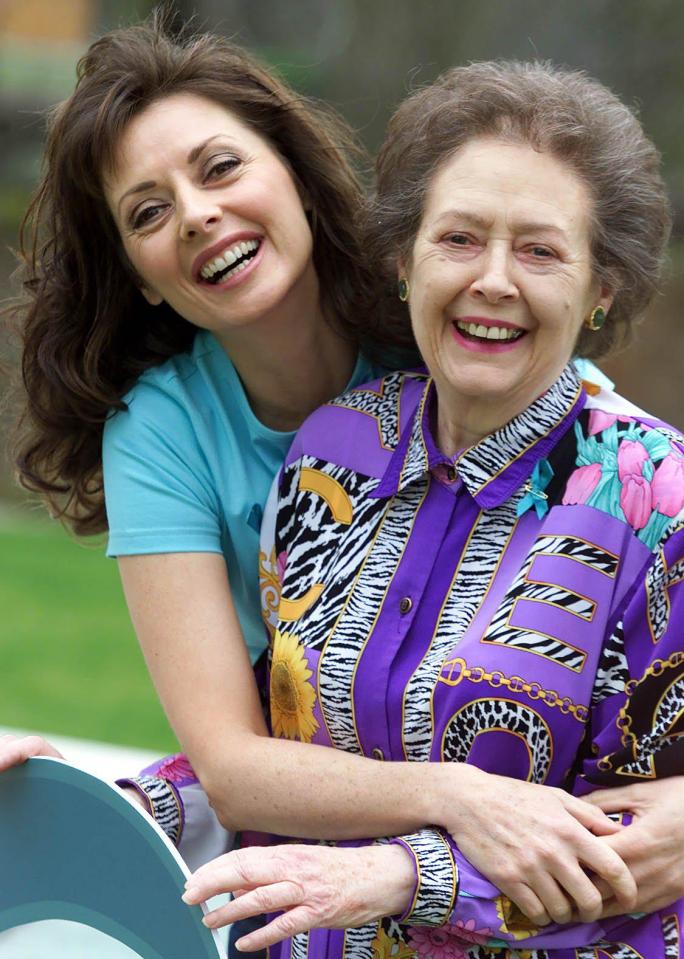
500	273
209	214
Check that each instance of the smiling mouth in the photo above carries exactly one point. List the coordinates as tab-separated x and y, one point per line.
478	332
232	261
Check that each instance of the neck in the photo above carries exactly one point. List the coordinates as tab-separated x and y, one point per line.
463	420
292	360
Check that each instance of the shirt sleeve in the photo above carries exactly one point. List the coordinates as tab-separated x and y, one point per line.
637	725
159	492
178	804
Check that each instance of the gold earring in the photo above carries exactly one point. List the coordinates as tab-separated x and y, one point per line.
596	320
403	289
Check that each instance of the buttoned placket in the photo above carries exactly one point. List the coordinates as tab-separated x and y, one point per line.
380	681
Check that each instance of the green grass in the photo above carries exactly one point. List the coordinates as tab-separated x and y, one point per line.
70	660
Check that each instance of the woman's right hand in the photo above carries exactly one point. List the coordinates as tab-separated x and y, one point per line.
17	749
534	843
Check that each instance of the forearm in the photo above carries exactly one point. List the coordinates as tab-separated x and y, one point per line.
315	792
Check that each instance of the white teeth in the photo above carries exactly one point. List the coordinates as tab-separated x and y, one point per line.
489	332
228	257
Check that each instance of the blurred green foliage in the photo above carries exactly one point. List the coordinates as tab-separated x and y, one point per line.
71	662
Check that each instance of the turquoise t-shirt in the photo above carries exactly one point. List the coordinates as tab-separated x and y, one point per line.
188	467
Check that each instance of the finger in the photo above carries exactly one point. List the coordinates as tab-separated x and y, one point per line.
227	874
593	818
256	902
551	897
613	800
527	901
606	863
284	926
582	892
21	749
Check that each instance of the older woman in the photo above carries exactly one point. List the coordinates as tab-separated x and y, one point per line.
479	562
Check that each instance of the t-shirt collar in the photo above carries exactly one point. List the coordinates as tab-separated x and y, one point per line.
495	467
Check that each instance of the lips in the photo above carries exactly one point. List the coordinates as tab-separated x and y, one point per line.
225	243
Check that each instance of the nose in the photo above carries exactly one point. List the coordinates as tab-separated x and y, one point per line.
198	212
494	282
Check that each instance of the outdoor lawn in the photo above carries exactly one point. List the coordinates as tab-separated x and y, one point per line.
70	659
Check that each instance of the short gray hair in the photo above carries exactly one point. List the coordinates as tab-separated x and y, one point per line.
555	110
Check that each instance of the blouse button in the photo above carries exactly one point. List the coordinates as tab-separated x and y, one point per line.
406	604
377	753
451	474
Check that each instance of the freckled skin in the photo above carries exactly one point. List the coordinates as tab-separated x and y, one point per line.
504	236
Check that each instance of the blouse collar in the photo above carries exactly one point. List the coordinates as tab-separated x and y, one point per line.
495	467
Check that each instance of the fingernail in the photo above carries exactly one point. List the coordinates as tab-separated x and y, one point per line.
190	894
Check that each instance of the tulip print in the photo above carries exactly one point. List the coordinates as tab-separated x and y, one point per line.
635	500
582	484
667	486
631	457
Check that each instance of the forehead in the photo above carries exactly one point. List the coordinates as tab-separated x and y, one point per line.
166	130
495	179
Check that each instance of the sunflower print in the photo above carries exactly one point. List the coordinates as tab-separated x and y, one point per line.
292	695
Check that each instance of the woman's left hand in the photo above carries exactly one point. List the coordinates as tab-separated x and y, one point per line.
334	888
653	845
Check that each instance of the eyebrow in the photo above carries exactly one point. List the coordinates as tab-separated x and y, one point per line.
150	184
521	226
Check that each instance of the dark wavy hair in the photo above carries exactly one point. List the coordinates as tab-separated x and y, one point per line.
553	109
87	333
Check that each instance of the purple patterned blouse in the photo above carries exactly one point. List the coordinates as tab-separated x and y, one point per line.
515	607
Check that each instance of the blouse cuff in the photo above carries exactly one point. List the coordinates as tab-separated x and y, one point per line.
436	884
163	801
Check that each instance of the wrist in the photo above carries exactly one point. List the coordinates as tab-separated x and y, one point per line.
394	864
451	789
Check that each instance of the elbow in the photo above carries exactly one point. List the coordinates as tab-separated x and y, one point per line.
229	795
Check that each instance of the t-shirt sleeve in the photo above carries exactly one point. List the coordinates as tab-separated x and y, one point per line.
159	493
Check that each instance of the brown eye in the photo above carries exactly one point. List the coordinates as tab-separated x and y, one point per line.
222	167
145	215
459	239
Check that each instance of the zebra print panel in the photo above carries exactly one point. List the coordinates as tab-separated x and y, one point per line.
358	943
500	629
608	950
483	462
671	936
322	550
658	581
482	952
383	404
417	461
612	674
164	803
437	873
514	718
299	945
488	539
364	598
579	551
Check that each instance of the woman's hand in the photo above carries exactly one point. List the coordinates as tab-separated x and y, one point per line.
17	749
652	846
316	886
533	841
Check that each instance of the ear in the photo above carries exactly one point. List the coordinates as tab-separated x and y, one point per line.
152	297
606	297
